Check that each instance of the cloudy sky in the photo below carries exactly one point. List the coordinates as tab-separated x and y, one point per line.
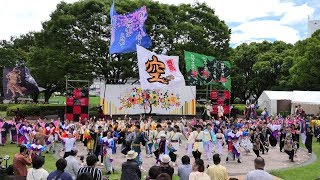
250	20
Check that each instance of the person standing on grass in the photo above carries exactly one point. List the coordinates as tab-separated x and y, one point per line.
73	165
69	143
130	169
58	174
21	161
308	142
259	172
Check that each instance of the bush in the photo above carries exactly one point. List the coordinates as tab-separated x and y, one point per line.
240	108
36	109
3	107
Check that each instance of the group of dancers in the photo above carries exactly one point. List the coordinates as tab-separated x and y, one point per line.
161	136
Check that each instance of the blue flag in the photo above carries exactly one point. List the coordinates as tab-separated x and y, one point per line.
128	31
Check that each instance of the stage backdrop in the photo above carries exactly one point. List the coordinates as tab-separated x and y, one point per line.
131	99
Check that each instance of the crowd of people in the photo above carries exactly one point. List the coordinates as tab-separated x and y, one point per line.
162	139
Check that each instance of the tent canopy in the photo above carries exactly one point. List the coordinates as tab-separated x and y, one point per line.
306	97
309	99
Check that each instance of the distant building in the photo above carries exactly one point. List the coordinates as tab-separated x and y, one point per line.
313	25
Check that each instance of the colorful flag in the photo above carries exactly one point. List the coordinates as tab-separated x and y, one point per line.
18	82
128	31
205	70
158	71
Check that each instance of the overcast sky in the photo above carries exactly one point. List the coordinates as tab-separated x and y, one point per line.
250	20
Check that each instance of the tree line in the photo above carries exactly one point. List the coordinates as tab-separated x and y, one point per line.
74	44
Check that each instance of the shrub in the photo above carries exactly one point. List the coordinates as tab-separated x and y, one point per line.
3	107
36	109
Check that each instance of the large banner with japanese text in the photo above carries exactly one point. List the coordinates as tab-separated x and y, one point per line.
132	99
205	70
158	71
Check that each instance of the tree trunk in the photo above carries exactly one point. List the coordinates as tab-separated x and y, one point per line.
47	95
35	97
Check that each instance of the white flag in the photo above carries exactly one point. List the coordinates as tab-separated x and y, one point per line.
158	71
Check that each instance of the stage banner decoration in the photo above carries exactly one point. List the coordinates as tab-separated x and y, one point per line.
158	71
18	82
132	99
206	70
128	30
218	97
77	104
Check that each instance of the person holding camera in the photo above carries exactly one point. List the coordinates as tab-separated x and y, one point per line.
21	161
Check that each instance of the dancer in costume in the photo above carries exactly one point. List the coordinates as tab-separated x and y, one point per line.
255	139
137	139
233	145
190	140
289	143
209	141
246	143
220	141
198	144
175	139
107	144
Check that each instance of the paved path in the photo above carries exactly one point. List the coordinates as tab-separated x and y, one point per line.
274	160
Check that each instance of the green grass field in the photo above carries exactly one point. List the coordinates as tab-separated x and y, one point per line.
93	100
308	172
12	149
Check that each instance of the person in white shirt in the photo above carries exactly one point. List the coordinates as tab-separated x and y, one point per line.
198	144
37	172
259	172
73	165
198	171
69	144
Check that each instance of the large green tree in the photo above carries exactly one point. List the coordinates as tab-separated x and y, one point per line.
305	74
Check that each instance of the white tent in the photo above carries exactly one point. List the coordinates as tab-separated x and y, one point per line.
269	99
309	100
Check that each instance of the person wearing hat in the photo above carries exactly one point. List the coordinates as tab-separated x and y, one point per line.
164	165
137	138
162	147
130	169
73	165
198	144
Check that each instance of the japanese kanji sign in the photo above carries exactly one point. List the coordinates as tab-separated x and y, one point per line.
158	71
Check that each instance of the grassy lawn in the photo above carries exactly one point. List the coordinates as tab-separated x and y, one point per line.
3	113
12	149
310	171
93	101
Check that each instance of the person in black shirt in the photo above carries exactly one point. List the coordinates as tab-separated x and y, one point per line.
165	167
282	136
308	141
91	168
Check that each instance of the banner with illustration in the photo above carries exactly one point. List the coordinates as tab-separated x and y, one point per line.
206	70
132	99
158	71
18	82
128	30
